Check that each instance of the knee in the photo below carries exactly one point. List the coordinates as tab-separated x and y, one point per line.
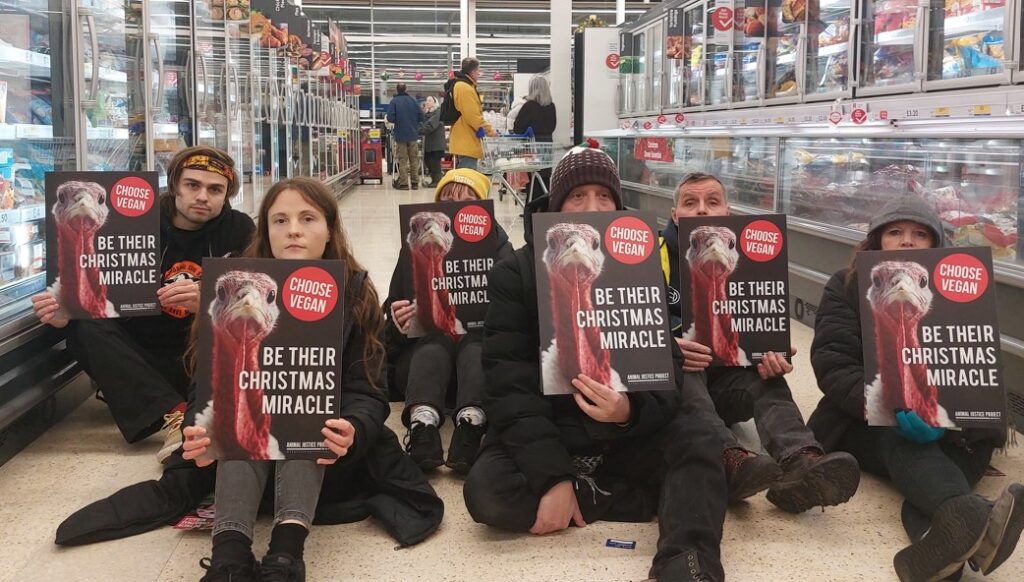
482	501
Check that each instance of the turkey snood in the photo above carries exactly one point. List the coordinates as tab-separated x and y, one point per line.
574	260
430	239
80	211
243	313
712	257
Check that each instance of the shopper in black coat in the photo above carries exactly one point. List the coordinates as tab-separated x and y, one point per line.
934	469
434	142
538	113
549	462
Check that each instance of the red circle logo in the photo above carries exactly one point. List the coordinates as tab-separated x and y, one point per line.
859	116
629	240
835	117
647	125
132	197
721	18
680	118
662	119
612	61
761	241
472	223
961	278
310	294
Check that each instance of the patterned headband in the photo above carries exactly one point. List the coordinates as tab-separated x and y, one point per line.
208	164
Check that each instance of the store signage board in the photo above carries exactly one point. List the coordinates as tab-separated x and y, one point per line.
675	43
859	113
723	22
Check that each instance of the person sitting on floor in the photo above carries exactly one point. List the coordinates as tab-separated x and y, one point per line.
552	461
810	477
136	362
424	368
934	469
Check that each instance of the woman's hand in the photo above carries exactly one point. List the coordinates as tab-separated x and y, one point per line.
183	293
557	509
195	445
696	357
605	403
48	310
772	365
402	313
340	434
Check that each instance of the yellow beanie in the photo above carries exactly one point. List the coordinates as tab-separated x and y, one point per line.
480	183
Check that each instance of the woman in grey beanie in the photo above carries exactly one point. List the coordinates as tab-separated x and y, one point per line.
935	470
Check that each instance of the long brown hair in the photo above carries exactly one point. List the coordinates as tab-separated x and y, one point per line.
872	242
366	312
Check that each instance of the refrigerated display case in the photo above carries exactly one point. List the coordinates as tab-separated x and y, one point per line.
172	60
967	42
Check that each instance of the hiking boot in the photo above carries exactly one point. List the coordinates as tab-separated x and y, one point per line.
464	446
747	473
811	478
415	184
229	572
281	568
1003	532
687	566
957	530
172	435
423	443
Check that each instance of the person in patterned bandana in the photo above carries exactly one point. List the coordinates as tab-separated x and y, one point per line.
136	363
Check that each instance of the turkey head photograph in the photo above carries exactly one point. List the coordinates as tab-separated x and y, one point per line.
430	240
243	313
899	298
573	261
79	213
712	257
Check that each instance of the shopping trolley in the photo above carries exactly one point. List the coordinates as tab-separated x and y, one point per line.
517	153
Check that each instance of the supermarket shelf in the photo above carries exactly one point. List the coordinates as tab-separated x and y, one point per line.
983	21
17	56
107	133
902	37
835	5
835	49
25	131
786	59
19	215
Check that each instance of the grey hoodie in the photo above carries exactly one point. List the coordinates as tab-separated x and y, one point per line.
911	208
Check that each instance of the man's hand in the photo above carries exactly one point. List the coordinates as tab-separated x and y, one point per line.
47	310
402	313
773	365
182	293
557	509
605	403
696	357
340	434
195	445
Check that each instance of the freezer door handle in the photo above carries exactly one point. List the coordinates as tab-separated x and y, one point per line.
762	70
189	65
203	112
920	40
155	39
95	81
852	64
801	56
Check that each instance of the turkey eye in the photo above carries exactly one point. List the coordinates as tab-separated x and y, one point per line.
102	199
876	281
923	282
447	227
732	245
222	293
271	295
551	241
594	244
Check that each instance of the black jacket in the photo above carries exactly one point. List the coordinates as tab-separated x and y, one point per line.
181	256
837	356
541	118
542	433
670	241
376	477
432	131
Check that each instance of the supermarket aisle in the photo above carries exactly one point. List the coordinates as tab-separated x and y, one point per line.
84	458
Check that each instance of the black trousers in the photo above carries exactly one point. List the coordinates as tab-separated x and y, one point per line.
433	360
680	467
926	475
432	161
139	385
740	394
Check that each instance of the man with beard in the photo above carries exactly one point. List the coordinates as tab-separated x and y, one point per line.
136	363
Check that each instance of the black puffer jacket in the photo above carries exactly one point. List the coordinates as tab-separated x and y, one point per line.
837	356
542	433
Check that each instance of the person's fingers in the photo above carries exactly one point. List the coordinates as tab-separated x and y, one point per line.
694	346
341	425
588	408
339	439
326	461
762	372
792	351
337	449
601	391
692	368
696	363
696	356
577	516
193	431
203	462
43	298
590	389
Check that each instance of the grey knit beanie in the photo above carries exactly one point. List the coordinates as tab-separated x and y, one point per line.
583	165
913	208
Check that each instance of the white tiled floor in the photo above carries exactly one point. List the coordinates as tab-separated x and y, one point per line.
84	458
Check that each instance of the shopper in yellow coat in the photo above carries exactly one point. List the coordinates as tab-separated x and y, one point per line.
464	141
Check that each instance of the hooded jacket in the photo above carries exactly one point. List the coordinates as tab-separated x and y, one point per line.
432	131
181	257
837	353
406	114
542	433
463	140
669	245
375	478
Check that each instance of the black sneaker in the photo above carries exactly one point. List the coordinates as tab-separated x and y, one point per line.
229	572
423	443
415	184
464	446
957	530
747	473
281	568
1003	532
811	479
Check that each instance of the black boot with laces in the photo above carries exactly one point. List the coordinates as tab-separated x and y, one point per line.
423	443
464	446
228	572
282	568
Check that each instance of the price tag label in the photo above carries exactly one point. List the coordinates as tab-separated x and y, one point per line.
981	110
911	113
33	212
940	112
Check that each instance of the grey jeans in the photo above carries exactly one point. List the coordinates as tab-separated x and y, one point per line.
240	487
435	357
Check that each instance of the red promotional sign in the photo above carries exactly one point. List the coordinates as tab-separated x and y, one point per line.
722	18
652	149
612	61
310	294
629	240
859	116
132	196
648	125
761	241
680	118
662	119
472	223
883	115
961	278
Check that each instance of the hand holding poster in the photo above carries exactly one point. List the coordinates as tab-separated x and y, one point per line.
103	243
448	248
734	286
931	337
601	299
270	345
